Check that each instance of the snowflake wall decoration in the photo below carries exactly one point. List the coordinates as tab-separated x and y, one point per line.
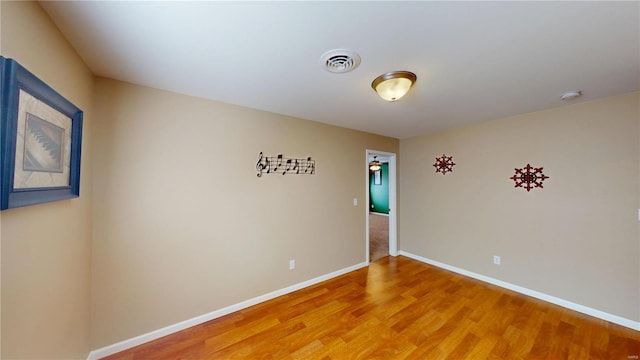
444	164
529	177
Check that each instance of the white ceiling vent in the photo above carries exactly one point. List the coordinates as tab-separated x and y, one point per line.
340	60
570	95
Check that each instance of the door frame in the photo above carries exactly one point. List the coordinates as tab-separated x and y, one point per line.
393	209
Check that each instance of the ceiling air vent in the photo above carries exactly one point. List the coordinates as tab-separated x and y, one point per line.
340	60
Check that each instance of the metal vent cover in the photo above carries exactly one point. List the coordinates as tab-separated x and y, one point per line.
340	60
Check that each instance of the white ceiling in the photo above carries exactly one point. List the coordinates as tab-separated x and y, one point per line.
475	61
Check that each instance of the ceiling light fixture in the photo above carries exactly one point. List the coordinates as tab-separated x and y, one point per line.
374	165
570	95
393	85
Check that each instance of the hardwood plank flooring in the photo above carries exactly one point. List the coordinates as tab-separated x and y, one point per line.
378	236
398	308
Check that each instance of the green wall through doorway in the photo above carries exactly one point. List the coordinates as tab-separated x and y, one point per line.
379	194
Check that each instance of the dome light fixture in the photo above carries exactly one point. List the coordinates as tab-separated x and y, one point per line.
393	85
374	165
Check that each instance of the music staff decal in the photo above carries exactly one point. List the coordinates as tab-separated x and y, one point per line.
281	165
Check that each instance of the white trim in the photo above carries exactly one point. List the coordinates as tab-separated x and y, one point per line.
156	334
635	325
393	206
377	213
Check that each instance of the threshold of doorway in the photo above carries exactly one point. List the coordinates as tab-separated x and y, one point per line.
377	213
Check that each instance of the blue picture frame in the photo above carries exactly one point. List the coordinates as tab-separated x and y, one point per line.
16	85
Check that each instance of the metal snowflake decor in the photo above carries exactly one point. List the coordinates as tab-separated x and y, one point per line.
529	177
444	164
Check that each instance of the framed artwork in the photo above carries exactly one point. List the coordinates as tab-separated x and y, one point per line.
40	141
377	177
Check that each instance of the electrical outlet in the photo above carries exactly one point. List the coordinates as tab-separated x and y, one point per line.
496	260
292	264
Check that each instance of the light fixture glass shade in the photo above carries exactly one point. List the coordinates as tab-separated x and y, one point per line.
394	85
374	165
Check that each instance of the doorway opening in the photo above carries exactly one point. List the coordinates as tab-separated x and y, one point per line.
381	223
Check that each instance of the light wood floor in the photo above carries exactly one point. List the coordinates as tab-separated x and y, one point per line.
378	236
398	308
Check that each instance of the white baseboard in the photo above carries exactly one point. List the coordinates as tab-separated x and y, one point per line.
156	334
377	213
635	325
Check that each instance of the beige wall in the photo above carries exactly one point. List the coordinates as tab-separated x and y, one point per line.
182	224
46	248
576	239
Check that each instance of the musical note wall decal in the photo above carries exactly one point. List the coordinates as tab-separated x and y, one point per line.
281	165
